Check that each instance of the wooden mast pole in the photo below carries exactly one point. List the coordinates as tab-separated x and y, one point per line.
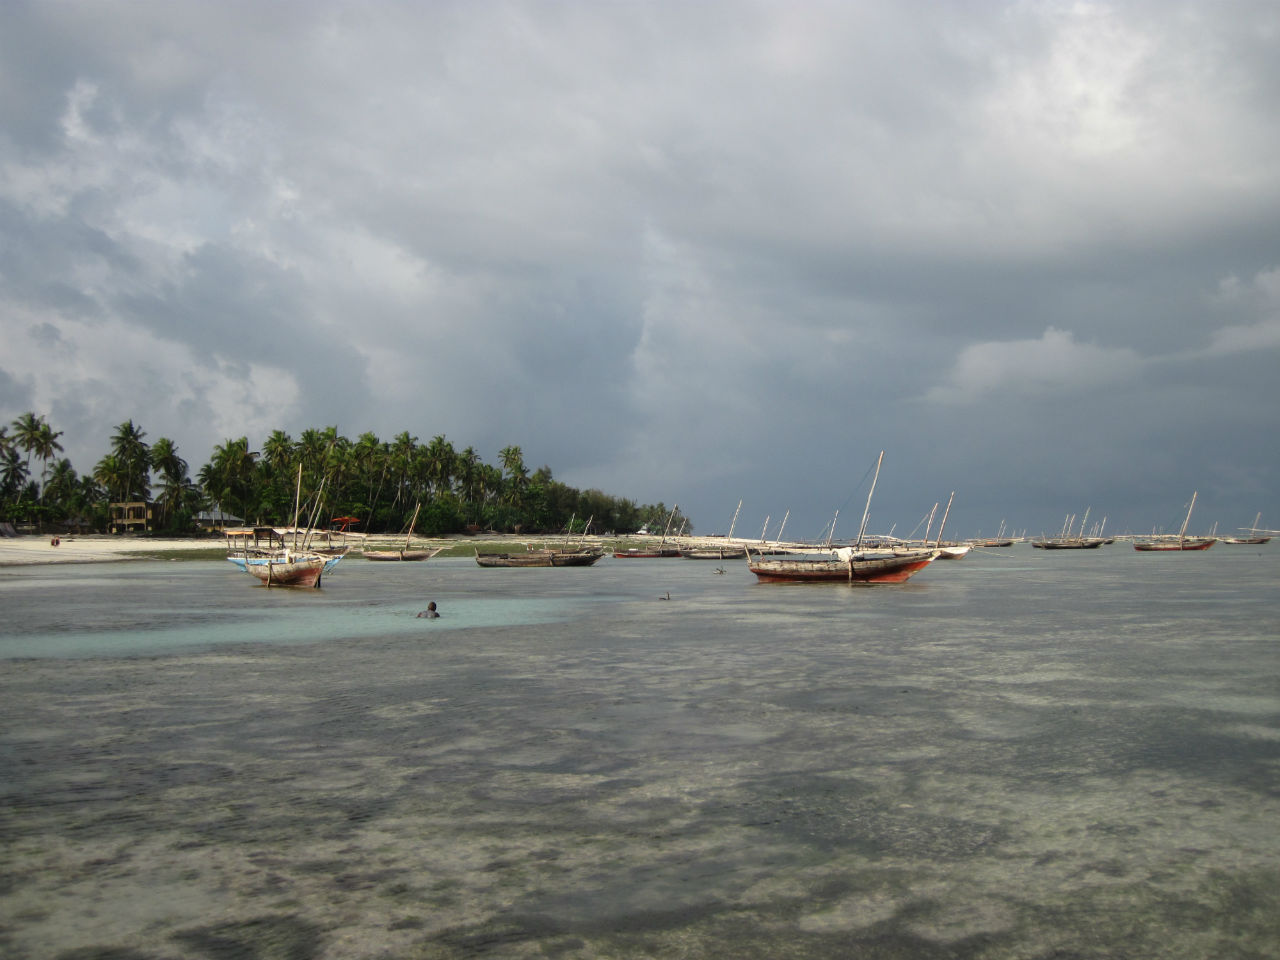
867	510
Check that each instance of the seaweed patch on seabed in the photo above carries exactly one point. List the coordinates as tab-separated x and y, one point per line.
650	783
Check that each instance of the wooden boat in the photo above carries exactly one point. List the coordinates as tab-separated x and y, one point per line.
1067	539
263	553
1181	541
1175	543
846	564
661	550
540	558
730	552
404	553
841	566
953	551
1256	535
1069	543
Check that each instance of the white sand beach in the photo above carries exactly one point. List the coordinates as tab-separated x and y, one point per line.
91	548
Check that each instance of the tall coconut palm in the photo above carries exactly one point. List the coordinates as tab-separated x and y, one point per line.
403	450
517	475
278	451
441	464
13	474
26	434
135	459
112	473
228	477
174	481
470	479
46	445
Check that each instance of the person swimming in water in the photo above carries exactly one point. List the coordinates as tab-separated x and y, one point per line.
429	613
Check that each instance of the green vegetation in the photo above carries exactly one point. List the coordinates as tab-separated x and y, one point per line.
380	482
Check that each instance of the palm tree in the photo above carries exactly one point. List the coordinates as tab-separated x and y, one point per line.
470	478
517	475
46	445
174	482
403	450
441	464
228	477
113	475
135	460
26	434
13	474
59	492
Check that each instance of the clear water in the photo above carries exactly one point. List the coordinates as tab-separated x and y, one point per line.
1020	754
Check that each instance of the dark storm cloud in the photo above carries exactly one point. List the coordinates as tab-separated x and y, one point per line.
691	253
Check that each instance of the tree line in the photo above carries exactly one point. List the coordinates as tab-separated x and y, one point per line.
382	483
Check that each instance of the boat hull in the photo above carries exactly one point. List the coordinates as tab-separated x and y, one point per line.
714	553
892	569
1089	543
291	572
1159	546
548	558
644	554
403	555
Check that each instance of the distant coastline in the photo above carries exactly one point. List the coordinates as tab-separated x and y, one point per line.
103	548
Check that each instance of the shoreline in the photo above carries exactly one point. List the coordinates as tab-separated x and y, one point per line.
32	550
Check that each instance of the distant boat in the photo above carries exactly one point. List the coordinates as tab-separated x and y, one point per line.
1181	541
1258	536
404	553
730	552
661	550
1070	543
1175	543
540	558
1068	540
845	564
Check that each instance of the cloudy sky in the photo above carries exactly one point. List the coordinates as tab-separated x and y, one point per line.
684	252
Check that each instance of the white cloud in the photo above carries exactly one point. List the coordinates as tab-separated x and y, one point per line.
1259	301
1052	365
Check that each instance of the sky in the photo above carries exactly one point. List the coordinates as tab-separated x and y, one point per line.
690	253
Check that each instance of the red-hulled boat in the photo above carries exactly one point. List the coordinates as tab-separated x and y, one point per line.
841	566
1181	541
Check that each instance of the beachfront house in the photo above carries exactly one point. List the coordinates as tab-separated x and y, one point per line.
133	517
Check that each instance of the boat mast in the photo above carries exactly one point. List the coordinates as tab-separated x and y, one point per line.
667	528
734	521
1183	533
832	532
765	528
409	536
867	510
945	514
778	538
297	498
